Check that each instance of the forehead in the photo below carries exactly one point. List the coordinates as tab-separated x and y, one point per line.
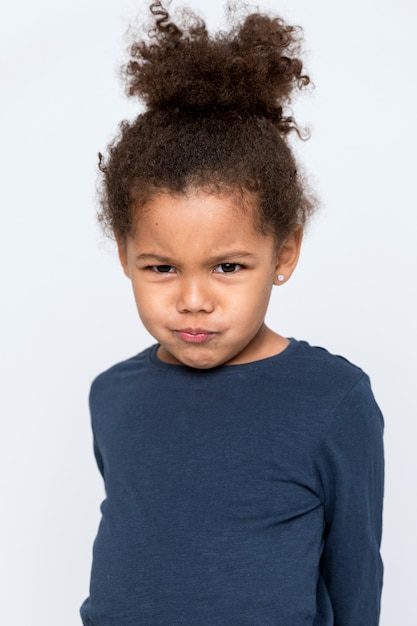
197	214
235	199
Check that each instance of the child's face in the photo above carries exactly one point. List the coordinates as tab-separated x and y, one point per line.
202	278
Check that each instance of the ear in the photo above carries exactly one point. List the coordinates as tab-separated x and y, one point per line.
288	255
122	250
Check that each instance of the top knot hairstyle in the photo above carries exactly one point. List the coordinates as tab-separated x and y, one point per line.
214	120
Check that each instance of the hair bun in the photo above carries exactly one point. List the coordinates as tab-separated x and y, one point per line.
253	69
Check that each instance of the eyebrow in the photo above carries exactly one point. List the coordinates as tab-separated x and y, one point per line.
220	258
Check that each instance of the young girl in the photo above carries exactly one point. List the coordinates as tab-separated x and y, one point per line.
243	470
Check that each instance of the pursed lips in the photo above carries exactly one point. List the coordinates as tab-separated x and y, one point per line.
194	335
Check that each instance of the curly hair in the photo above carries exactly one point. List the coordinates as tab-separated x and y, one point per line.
214	120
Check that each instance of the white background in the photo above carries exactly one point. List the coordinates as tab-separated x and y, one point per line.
67	311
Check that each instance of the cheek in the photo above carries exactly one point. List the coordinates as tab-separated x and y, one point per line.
140	293
259	299
150	316
250	303
152	304
261	287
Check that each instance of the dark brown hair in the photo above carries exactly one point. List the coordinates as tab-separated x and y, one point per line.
215	119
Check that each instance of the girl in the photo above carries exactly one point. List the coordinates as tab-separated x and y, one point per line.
243	470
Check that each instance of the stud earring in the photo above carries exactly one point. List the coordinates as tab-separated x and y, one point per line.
280	277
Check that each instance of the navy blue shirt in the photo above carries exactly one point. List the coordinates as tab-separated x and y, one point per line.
241	495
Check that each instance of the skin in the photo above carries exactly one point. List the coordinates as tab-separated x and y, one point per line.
202	278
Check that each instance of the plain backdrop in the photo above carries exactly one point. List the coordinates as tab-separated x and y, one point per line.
67	310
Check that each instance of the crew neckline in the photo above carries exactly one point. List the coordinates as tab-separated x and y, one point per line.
155	361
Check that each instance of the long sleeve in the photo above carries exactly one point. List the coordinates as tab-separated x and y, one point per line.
97	454
247	494
352	473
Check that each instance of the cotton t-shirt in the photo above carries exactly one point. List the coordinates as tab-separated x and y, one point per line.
240	495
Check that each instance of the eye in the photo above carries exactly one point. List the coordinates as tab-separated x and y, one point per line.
162	269
228	268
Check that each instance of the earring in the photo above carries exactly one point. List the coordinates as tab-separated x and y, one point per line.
280	277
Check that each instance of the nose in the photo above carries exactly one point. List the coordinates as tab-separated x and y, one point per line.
194	296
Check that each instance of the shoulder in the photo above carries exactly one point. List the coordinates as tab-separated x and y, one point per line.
319	369
344	414
318	357
353	405
122	374
331	388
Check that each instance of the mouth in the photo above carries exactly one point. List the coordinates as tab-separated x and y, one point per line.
197	335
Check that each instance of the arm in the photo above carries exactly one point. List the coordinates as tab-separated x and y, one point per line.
98	457
352	471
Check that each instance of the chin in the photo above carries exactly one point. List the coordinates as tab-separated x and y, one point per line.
200	362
